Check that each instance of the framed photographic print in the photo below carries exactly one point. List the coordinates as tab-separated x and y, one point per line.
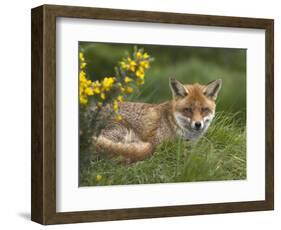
140	114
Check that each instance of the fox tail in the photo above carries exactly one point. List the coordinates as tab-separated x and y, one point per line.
133	151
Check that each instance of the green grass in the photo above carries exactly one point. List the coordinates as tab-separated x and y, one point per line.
219	155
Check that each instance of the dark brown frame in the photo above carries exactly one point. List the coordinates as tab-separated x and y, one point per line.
43	188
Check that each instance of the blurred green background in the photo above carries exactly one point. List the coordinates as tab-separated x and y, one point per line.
187	64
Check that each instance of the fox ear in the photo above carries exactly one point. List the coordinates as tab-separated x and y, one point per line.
177	88
212	89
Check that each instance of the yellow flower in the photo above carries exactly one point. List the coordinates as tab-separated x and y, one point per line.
89	91
82	74
144	64
120	98
129	89
124	65
107	83
140	73
115	105
96	87
141	69
98	178
102	96
83	100
85	88
127	79
83	65
139	54
145	56
96	84
81	56
132	64
118	117
133	68
96	90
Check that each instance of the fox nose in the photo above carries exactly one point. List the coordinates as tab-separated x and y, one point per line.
198	124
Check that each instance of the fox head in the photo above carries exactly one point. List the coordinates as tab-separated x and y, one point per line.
194	106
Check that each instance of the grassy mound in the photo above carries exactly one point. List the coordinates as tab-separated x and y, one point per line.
219	155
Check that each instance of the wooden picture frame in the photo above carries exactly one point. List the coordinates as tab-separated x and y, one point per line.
43	189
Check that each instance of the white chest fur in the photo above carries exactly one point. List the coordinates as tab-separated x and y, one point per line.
184	127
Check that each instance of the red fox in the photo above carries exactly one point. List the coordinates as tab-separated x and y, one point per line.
144	126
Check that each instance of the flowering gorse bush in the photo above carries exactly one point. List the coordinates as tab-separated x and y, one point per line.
129	75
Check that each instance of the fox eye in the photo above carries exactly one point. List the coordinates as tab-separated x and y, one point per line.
205	109
188	110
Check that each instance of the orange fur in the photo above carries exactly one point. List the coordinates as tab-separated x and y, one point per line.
144	126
